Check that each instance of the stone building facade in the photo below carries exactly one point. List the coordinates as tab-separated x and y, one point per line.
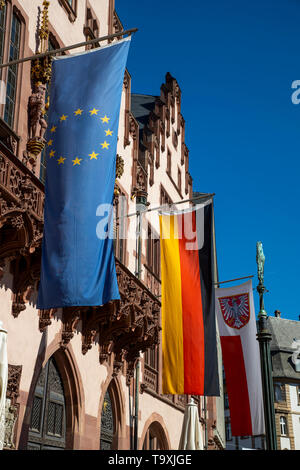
74	372
286	379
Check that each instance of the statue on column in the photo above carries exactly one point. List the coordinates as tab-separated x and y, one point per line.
36	109
260	260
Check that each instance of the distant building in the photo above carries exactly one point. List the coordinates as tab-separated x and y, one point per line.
286	378
286	381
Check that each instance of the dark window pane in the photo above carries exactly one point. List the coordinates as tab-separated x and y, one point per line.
35	424
14	53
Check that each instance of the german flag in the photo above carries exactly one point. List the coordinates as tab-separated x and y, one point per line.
188	308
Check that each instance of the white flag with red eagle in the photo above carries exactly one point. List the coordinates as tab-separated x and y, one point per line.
241	359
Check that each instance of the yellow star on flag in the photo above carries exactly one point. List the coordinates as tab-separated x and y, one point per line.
105	119
61	160
94	111
105	145
78	112
108	132
93	155
53	129
76	161
63	117
52	153
50	143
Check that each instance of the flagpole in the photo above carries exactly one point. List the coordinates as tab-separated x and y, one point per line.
233	280
68	48
264	338
165	206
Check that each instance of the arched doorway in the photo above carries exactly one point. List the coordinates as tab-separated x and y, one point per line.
47	429
107	423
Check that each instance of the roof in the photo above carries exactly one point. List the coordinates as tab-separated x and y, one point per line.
141	107
283	333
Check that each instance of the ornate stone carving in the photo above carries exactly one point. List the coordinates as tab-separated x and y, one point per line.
19	189
11	143
118	363
37	121
13	383
119	166
45	318
12	408
37	107
70	319
105	350
11	416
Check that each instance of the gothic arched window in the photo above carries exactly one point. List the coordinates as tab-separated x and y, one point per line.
48	417
107	423
155	438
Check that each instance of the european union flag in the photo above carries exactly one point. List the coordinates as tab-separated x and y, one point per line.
78	266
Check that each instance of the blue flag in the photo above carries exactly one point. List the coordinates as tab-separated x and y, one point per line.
78	266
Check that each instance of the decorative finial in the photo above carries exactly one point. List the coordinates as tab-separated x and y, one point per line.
44	30
40	74
41	69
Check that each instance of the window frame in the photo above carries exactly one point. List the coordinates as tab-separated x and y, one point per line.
120	226
3	33
153	251
71	10
10	16
283	426
279	392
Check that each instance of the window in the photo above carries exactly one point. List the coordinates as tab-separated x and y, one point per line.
153	251
164	197
151	358
174	138
14	53
283	426
107	423
71	7
169	162
91	28
279	392
120	226
228	430
155	438
226	401
179	184
2	31
47	428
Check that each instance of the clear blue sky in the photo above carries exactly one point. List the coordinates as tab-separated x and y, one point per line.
235	62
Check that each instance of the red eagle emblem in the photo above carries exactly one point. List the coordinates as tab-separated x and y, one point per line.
235	310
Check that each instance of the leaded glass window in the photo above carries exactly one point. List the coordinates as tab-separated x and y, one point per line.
2	31
48	417
107	424
11	85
